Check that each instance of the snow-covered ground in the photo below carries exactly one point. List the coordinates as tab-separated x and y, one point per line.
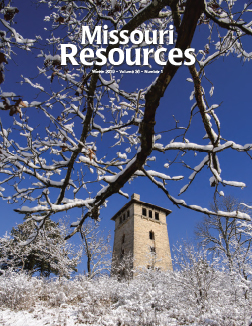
63	316
39	316
68	316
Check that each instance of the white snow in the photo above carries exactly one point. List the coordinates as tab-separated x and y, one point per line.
235	183
238	214
183	189
7	94
27	80
122	156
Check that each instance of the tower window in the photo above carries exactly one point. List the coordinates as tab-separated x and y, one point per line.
120	219
150	214
128	213
123	238
156	216
124	217
152	249
144	213
151	235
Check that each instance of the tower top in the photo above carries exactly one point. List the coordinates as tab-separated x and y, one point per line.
135	198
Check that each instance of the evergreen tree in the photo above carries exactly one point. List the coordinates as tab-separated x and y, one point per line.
48	253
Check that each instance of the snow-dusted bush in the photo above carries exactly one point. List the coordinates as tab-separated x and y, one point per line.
19	290
150	298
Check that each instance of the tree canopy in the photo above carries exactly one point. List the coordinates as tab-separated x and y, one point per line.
94	126
48	254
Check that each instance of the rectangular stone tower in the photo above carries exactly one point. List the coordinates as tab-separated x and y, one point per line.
141	231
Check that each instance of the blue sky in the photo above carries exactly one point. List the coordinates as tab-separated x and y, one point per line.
232	81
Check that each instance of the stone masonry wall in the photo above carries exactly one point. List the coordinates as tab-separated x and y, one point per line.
125	228
142	243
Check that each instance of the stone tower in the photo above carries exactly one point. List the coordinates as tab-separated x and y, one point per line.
141	231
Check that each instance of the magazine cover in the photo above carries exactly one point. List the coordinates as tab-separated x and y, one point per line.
125	162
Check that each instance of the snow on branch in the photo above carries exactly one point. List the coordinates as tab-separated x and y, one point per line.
85	131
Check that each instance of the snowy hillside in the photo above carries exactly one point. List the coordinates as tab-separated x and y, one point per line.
201	297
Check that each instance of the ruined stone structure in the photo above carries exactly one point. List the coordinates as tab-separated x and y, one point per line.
141	231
